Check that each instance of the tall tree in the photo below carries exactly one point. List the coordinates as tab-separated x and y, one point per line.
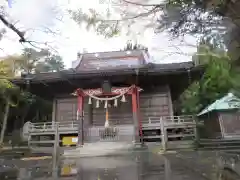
195	16
30	58
51	63
16	105
26	32
120	16
33	61
203	18
7	91
219	78
126	15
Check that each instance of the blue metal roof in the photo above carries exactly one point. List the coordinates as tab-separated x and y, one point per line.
230	101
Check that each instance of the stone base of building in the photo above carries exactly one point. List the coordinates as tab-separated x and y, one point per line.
99	149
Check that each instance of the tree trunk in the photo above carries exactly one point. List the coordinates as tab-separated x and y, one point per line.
4	125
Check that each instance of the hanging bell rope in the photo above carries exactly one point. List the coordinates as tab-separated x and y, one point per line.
115	102
97	104
89	100
77	115
106	104
106	125
123	98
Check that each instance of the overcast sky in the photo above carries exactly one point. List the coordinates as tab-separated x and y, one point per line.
35	15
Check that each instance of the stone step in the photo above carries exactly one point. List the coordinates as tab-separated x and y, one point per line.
97	149
225	141
220	148
219	144
220	140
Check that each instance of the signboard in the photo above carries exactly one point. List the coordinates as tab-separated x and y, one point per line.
75	140
111	63
68	141
68	170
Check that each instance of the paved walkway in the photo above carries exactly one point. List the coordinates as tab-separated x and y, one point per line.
208	164
12	148
99	149
132	165
203	163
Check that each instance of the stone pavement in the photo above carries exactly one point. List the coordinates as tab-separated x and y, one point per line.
130	165
99	149
206	163
133	165
203	163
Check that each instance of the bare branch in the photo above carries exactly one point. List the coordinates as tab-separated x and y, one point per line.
4	51
13	28
140	4
33	45
45	30
144	14
21	35
153	10
48	30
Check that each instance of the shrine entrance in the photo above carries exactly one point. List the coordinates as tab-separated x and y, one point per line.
106	102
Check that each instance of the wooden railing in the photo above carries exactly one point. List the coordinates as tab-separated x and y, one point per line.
122	132
51	126
91	134
172	119
73	125
94	133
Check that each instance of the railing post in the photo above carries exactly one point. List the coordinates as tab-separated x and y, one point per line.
149	120
44	126
196	133
29	140
56	147
52	124
164	135
179	119
167	169
30	127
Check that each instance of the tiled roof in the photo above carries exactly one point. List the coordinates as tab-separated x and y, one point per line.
227	102
147	68
111	54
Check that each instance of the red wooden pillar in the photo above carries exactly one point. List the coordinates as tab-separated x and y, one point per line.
80	118
139	117
135	115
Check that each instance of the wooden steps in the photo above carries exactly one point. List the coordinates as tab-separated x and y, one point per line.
219	144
